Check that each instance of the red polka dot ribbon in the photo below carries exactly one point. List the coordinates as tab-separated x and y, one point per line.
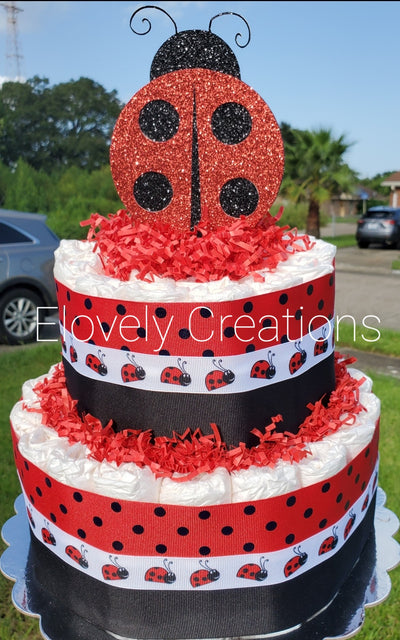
197	329
311	517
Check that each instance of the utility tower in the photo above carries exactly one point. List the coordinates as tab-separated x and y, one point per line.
13	56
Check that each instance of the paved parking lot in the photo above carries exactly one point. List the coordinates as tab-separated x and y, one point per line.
366	285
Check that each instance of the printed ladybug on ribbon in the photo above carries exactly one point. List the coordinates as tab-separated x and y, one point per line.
203	576
132	371
176	375
161	574
253	571
219	377
264	369
96	363
77	556
196	144
114	571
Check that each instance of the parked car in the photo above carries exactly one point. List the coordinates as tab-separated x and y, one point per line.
379	225
27	248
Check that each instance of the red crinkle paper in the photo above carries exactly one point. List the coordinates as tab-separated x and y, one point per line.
236	250
192	453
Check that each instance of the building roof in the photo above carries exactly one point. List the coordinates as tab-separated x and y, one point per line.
393	180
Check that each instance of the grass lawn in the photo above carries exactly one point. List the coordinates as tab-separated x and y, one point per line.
22	363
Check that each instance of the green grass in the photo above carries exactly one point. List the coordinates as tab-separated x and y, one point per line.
19	364
396	265
341	241
386	342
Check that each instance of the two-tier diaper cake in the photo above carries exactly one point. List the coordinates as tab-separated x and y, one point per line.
201	464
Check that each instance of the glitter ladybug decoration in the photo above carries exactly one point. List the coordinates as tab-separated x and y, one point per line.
203	576
321	345
349	525
329	543
96	363
264	368
161	574
181	153
253	571
48	537
219	377
132	371
296	562
77	556
298	359
176	375
114	571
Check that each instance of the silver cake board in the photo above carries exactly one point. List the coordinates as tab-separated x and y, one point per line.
368	585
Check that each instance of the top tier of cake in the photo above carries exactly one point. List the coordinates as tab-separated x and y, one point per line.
173	355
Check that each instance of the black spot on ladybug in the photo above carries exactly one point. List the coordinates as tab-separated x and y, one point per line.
161	574
349	525
114	571
296	562
48	537
321	345
152	191
219	377
77	556
159	120
132	372
239	197
298	359
329	543
203	576
96	363
253	571
176	375
121	310
231	123
264	369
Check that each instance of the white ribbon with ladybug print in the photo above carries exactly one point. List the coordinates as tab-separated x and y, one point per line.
229	374
216	572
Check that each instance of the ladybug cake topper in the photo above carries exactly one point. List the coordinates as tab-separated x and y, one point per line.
196	144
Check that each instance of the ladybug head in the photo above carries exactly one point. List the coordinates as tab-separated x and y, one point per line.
193	49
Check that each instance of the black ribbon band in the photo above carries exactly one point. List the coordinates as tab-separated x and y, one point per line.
234	414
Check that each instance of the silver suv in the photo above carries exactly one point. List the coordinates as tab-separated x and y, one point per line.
27	248
379	225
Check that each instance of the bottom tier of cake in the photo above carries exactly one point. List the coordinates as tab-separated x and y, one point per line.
236	550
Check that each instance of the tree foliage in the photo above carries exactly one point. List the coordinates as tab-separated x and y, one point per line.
315	170
69	124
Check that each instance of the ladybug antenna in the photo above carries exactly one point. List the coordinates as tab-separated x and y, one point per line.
204	564
263	562
146	20
270	356
131	358
219	365
168	565
238	35
83	550
101	356
297	346
114	562
181	365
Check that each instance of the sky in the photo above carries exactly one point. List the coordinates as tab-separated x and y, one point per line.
331	65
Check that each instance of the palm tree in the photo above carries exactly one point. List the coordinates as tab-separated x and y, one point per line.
315	171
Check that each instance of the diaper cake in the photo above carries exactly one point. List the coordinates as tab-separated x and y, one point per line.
201	463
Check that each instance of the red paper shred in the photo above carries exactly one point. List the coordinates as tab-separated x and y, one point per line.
236	250
192	453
